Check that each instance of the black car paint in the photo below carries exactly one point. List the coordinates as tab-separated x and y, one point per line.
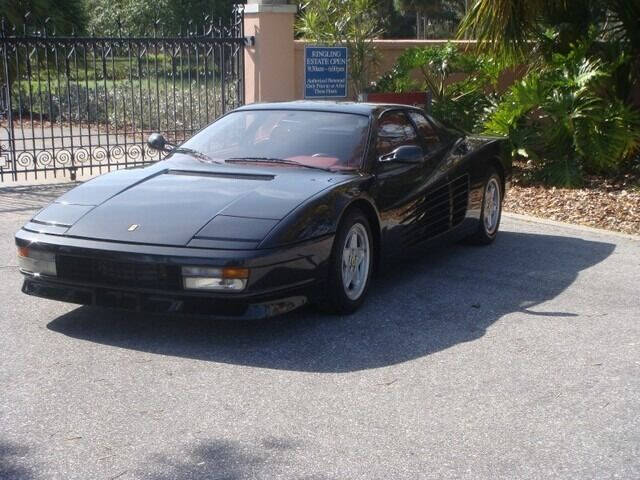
289	215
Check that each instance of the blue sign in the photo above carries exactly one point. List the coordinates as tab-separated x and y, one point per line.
325	72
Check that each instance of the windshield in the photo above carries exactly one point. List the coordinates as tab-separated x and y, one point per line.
328	140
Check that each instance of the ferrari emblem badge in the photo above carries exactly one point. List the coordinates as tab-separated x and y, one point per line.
133	227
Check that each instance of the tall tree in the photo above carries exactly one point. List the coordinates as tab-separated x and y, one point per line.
440	16
513	27
396	23
137	17
440	9
64	16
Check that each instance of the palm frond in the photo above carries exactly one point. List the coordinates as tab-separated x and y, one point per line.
503	26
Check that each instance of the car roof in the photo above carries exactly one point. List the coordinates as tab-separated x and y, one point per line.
325	106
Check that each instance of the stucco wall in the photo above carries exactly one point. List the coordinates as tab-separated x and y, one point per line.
389	51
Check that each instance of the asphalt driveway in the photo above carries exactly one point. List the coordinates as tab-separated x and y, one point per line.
518	360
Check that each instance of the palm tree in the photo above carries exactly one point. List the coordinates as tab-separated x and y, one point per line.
510	26
532	31
573	112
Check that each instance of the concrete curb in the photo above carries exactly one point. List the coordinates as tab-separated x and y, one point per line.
572	226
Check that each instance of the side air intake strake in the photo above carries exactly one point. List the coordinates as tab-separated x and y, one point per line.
439	211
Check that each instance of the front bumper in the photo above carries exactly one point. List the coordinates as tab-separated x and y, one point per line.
165	303
280	280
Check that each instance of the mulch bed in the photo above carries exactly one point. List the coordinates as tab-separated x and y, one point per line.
601	203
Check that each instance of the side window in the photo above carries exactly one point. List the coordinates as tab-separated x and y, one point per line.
394	130
429	134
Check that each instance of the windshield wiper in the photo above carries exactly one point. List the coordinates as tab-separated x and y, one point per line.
195	154
275	160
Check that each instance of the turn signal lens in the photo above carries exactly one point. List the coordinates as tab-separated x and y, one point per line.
235	273
36	262
211	278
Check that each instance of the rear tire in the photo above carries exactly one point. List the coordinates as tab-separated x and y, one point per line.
491	211
350	265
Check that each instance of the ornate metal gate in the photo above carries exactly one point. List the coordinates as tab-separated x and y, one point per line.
87	104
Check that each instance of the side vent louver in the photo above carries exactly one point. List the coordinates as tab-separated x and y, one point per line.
460	199
442	209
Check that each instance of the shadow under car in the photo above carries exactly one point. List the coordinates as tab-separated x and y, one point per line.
418	305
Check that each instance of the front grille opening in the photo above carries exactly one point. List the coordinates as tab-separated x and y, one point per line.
117	273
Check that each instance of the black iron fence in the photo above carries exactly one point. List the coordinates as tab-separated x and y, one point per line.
87	104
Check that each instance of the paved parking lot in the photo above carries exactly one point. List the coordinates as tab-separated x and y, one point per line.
518	360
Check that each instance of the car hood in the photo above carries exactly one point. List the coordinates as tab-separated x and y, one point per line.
167	204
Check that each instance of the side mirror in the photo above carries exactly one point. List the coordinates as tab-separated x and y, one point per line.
158	142
404	154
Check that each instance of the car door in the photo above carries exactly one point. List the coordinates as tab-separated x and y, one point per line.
434	142
400	188
442	149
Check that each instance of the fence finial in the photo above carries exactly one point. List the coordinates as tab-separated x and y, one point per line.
25	19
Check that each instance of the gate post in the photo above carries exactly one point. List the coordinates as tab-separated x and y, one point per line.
269	64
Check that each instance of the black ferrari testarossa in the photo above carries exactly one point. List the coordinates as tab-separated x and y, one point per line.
269	207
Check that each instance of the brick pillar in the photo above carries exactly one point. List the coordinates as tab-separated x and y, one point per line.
269	64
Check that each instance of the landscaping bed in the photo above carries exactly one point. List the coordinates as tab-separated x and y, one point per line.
601	203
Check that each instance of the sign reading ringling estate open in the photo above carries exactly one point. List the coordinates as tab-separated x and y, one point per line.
325	72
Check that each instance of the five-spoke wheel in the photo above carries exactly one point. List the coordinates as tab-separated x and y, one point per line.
350	265
491	207
355	261
491	211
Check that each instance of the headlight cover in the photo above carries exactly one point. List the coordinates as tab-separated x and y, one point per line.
36	262
217	279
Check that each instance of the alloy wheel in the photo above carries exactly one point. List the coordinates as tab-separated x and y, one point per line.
356	260
491	208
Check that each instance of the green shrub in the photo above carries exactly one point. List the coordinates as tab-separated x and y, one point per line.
119	68
123	103
566	115
462	103
563	120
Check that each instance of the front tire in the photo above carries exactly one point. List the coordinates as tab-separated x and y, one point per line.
350	265
491	211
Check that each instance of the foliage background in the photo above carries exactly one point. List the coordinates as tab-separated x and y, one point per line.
575	111
65	15
110	17
138	16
